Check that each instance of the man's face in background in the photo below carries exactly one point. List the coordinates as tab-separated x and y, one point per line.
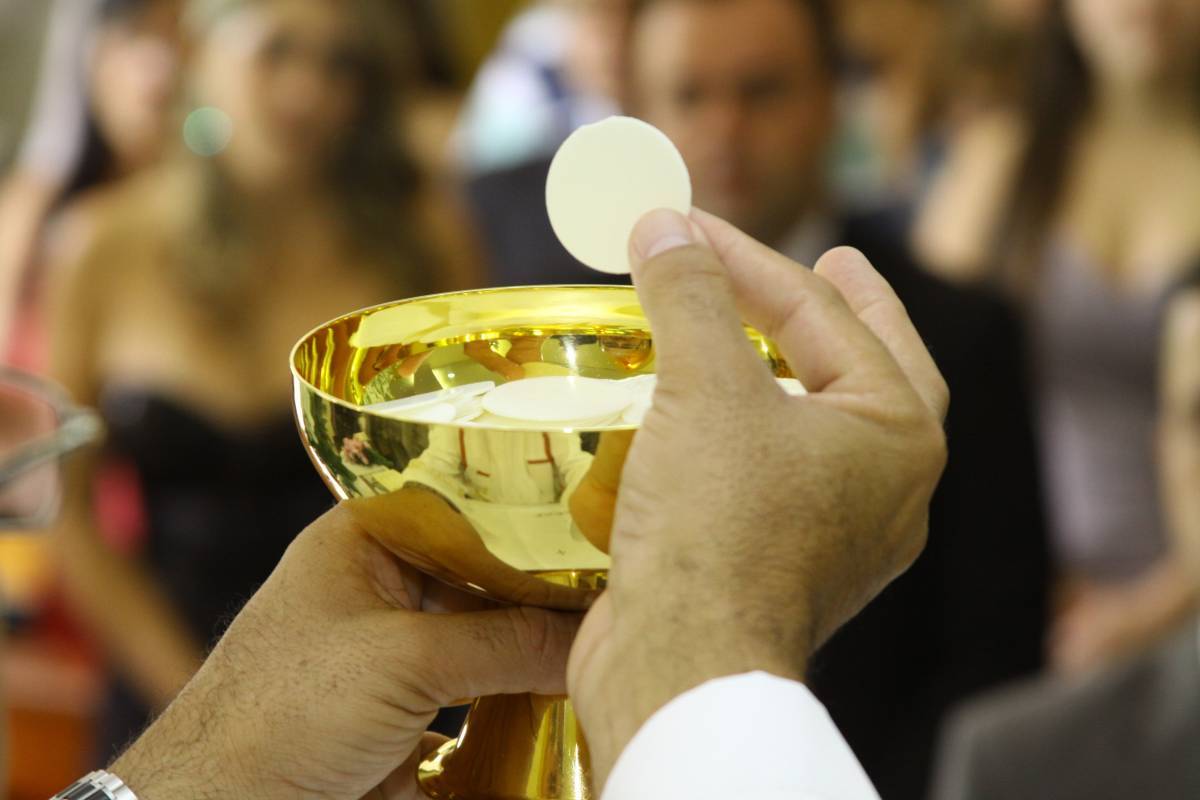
740	86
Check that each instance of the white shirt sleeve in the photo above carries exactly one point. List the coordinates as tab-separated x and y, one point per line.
746	736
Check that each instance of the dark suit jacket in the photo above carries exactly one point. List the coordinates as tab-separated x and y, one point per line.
971	611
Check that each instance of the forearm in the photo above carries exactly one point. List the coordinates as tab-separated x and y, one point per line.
188	753
130	616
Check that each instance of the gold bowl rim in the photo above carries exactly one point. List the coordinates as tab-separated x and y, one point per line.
308	386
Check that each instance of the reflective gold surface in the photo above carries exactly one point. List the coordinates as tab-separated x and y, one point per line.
519	746
514	515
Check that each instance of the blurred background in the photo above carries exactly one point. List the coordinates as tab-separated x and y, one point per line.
190	185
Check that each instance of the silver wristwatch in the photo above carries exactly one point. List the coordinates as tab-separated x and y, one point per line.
99	785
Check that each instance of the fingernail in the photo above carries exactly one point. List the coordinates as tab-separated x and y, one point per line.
660	231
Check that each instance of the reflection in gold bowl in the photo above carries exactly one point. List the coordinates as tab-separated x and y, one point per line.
517	512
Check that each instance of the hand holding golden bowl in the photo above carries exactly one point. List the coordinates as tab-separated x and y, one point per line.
517	515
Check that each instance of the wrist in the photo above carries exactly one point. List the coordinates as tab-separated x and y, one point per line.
152	775
655	662
693	639
97	785
189	754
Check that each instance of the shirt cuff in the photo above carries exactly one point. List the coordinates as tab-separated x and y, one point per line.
753	735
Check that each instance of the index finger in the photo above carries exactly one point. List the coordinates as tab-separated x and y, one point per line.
826	345
873	301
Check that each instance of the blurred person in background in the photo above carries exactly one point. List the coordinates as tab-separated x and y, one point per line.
747	90
1082	206
990	51
555	68
558	66
1087	199
294	203
22	26
892	98
102	113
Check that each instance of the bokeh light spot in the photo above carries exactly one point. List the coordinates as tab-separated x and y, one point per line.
207	131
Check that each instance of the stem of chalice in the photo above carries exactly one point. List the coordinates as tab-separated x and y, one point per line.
516	746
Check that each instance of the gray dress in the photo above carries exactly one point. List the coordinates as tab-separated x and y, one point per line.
1096	355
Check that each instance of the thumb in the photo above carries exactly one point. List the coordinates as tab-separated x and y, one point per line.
508	651
688	297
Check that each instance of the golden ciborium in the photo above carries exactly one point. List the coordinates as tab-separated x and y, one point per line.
391	399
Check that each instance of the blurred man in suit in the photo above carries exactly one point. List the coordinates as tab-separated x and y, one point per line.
745	89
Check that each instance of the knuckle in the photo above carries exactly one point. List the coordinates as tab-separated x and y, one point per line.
690	273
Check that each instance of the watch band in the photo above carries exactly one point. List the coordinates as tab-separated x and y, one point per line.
98	785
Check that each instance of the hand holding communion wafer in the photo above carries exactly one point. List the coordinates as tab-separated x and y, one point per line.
750	524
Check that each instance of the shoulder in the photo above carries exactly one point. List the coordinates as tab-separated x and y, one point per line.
105	248
103	235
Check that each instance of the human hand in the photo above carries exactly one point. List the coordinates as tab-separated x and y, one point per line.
325	683
355	451
523	350
595	500
751	524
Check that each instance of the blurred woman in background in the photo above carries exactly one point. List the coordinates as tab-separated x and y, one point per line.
103	113
1083	206
891	104
295	203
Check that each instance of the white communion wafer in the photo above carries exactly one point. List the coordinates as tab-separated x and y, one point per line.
603	179
558	400
403	406
438	412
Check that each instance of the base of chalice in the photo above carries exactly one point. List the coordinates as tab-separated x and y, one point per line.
392	405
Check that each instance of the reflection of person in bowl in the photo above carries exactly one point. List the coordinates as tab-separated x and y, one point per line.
358	450
512	468
523	350
515	488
